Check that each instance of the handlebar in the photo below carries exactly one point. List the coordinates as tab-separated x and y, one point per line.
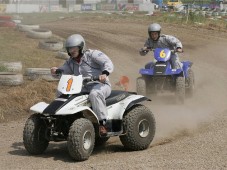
86	80
59	72
152	49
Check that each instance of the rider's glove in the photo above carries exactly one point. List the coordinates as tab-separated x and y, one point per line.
144	50
179	49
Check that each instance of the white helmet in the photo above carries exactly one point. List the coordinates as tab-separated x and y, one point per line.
154	28
75	40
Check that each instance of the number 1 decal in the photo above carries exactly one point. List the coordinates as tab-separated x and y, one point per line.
69	85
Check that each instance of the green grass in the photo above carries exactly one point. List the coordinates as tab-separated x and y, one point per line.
16	46
3	68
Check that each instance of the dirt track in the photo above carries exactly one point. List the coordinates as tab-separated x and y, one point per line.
192	136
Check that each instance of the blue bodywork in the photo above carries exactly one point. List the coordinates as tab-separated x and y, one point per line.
163	65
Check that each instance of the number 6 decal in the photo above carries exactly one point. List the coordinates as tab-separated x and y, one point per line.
69	85
162	54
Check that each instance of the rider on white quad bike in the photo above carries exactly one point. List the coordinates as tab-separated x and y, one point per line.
71	117
88	63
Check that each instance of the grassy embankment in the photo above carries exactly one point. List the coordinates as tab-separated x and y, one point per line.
16	46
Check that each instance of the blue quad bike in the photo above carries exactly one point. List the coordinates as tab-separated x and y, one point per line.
160	77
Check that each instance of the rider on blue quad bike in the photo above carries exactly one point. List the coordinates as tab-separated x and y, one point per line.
156	40
166	72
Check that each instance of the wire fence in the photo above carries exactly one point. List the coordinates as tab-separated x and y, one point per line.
70	1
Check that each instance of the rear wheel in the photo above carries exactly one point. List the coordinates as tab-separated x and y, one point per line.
81	139
139	125
180	90
151	87
191	83
34	132
141	86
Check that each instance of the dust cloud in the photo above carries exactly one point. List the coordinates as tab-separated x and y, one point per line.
122	46
208	101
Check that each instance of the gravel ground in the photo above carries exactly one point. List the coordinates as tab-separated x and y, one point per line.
190	136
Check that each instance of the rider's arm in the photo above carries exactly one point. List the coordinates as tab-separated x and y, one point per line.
174	42
66	67
103	61
105	64
179	49
143	51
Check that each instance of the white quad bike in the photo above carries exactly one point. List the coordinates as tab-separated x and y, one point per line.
70	118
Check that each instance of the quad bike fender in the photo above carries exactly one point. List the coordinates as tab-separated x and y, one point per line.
117	110
144	71
186	66
39	107
168	71
73	110
87	112
173	71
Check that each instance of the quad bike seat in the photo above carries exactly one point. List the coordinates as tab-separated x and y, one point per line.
116	96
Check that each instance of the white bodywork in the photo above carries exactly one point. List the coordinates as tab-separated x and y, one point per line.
116	111
81	103
70	84
39	107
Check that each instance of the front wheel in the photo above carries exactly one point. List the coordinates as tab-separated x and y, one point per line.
191	83
81	139
139	125
141	86
34	132
180	90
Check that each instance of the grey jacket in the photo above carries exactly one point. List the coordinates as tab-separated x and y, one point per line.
92	63
164	41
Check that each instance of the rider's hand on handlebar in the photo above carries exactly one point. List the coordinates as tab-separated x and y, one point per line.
145	49
179	50
53	70
102	78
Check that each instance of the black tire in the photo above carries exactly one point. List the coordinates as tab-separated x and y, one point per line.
141	86
62	55
100	140
35	73
191	83
11	79
5	17
180	90
52	45
34	132
7	23
15	67
139	125
81	139
25	28
151	86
